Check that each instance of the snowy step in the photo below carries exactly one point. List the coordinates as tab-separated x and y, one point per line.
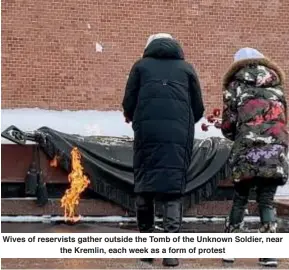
120	223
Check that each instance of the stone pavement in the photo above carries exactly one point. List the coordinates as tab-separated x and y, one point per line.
128	264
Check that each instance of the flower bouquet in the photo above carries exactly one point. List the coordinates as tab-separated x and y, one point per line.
214	120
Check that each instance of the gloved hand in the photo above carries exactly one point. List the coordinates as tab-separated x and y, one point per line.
127	120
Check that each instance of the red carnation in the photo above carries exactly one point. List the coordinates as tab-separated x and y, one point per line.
211	118
216	112
205	127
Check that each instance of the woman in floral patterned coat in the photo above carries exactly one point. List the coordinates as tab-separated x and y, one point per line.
255	118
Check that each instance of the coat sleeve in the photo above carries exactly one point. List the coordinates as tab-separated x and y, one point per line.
229	115
286	110
131	93
196	95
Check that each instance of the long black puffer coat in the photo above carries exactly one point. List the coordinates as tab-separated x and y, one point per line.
163	100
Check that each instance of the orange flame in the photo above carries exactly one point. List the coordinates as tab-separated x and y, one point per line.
78	183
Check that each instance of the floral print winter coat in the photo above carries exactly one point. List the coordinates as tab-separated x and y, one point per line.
255	118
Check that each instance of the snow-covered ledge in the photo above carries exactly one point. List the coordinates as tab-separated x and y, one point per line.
90	122
85	123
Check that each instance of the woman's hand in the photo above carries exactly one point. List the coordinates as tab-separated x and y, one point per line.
127	120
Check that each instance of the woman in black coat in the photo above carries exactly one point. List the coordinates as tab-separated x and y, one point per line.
163	100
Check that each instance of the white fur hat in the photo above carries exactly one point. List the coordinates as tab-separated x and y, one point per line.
157	36
247	53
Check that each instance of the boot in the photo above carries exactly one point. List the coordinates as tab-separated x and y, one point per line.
170	262
145	218
230	228
172	221
270	227
268	262
147	260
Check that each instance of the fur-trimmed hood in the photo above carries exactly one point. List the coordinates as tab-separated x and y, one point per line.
237	66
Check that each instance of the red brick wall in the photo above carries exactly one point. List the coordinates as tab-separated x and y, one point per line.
49	58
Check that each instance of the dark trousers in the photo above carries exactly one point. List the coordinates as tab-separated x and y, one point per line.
265	198
172	212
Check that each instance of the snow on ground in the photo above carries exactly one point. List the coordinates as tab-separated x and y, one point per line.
73	122
110	123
